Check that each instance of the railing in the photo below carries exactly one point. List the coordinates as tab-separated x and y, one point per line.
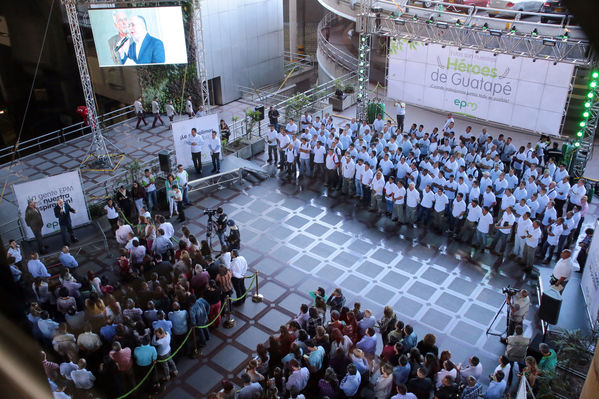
296	61
318	99
337	55
63	135
274	94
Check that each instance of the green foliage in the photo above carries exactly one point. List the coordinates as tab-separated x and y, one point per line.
167	83
251	118
574	347
96	210
296	105
349	89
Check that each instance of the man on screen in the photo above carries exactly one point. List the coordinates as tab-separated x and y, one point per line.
143	49
121	23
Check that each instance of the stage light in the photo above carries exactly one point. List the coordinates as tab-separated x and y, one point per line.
593	84
587	104
535	32
595	75
399	21
582	124
430	20
458	23
495	32
485	26
579	133
513	30
442	25
585	114
415	18
590	95
577	144
549	42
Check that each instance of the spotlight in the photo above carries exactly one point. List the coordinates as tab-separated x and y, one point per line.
535	32
513	30
442	25
415	17
549	42
399	21
485	26
458	22
593	84
585	114
579	133
494	54
595	75
577	144
430	20
494	32
582	124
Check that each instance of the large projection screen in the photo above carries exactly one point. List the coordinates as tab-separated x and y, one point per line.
516	91
138	36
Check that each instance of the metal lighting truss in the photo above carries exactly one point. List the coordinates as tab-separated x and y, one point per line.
97	151
510	42
364	26
198	33
586	133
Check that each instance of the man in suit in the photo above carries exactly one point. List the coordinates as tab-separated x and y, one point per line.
121	23
63	211
33	219
143	49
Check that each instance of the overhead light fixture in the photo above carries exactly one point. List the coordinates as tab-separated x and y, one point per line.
549	42
577	144
513	30
442	25
595	75
495	32
535	32
494	54
579	133
458	22
430	20
485	26
415	17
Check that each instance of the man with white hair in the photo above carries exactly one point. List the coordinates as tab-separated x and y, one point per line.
143	48
121	23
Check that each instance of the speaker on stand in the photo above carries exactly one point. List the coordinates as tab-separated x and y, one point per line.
164	159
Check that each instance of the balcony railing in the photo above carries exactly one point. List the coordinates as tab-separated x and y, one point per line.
338	56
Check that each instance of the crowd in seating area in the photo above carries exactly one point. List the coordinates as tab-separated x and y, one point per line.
103	334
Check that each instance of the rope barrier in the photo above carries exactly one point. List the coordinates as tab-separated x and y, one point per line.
222	308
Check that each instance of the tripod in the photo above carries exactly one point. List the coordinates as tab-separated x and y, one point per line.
507	323
209	228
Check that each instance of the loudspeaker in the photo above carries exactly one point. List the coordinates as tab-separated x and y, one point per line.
551	303
261	110
164	159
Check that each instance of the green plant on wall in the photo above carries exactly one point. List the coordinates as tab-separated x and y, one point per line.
251	118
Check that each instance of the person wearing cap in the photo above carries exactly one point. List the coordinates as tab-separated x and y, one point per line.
234	238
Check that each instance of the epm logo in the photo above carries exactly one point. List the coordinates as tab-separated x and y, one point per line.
467	105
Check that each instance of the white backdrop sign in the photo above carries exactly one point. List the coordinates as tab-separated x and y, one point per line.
590	279
46	193
516	92
182	130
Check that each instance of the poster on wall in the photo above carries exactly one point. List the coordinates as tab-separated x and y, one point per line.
590	280
517	91
46	192
182	130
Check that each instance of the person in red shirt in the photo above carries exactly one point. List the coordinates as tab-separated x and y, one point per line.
124	362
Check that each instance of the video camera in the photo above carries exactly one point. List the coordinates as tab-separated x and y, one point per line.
510	291
210	212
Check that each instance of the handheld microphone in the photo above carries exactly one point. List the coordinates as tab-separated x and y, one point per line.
121	43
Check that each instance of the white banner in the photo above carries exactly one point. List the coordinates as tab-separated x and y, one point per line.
518	92
46	192
590	279
182	130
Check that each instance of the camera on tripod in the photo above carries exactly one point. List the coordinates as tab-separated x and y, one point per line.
510	291
210	212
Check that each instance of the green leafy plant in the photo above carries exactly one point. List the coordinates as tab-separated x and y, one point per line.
251	118
295	106
574	347
349	89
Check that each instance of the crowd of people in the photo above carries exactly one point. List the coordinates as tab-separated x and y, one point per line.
480	189
101	334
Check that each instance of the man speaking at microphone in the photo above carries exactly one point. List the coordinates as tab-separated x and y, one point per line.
141	48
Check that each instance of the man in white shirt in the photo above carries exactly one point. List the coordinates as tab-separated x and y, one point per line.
569	227
554	231
148	181
426	204
376	186
503	230
195	141
139	111
156	112
82	378
348	170
291	127
215	147
401	115
482	228
469	229
358	178
389	193
170	111
271	141
332	165
304	157
533	236
367	176
562	271
456	218
399	199
412	201
239	267
523	225
441	202
283	141
576	193
183	178
319	152
189	108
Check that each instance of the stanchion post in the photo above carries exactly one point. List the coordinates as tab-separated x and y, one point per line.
257	297
229	322
195	352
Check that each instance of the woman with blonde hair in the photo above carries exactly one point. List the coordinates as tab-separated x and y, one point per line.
252	371
150	232
530	371
387	323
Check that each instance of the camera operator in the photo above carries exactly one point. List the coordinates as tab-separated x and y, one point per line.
519	305
221	226
234	238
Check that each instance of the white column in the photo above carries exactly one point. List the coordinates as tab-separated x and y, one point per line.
293	26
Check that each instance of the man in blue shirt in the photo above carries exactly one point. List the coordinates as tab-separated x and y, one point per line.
368	342
166	325
401	372
315	357
66	259
145	354
351	382
410	339
496	386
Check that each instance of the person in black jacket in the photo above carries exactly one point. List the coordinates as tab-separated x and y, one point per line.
63	211
234	238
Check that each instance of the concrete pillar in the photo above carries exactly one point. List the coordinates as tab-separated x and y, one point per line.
293	26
